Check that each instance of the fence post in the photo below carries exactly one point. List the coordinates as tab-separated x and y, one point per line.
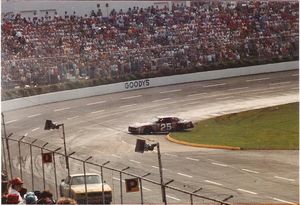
4	156
43	166
54	167
141	190
85	185
67	161
121	188
102	182
163	188
7	144
191	196
141	187
31	162
20	161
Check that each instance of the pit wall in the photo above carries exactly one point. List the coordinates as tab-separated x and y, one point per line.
144	83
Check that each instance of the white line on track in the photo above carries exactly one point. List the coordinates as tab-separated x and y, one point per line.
247	191
130	97
223	165
171	197
30	116
297	74
98	111
224	98
8	122
95	103
292	180
170	91
117	156
214	85
155	167
197	94
135	161
173	155
115	178
241	88
61	109
193	159
248	170
284	201
212	182
164	99
185	175
281	83
146	189
257	79
71	118
35	129
123	106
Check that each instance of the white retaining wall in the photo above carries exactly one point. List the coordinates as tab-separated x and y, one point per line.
144	83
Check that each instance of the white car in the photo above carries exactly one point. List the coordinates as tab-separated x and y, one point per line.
74	187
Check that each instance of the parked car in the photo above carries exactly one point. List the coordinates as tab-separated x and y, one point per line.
74	187
161	124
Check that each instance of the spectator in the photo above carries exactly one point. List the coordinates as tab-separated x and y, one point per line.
16	186
65	200
30	198
4	187
13	199
46	197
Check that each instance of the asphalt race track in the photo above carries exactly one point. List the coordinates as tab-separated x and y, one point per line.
97	126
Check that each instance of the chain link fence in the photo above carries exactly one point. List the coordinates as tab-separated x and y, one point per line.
23	157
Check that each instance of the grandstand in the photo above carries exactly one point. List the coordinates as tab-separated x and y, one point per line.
46	45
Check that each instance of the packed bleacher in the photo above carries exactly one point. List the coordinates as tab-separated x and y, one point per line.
48	50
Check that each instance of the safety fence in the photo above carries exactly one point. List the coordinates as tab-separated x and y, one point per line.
23	157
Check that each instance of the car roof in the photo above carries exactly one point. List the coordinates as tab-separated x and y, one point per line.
87	174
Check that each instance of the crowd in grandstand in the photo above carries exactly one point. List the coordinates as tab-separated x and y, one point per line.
13	192
60	48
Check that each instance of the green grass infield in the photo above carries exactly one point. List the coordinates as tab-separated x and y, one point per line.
268	128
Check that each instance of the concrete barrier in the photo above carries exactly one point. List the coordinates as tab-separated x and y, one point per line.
144	83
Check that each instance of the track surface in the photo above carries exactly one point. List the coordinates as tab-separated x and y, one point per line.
97	127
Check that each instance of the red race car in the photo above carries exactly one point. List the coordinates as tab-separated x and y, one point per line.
161	125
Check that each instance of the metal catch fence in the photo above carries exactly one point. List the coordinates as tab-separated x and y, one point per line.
23	157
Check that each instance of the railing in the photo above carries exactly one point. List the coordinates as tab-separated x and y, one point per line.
29	154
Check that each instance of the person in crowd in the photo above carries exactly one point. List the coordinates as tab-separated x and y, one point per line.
46	197
4	187
16	186
65	200
30	198
13	199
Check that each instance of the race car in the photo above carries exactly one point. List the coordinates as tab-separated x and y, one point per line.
74	187
161	124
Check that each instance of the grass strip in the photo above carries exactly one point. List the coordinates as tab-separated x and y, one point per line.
268	128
